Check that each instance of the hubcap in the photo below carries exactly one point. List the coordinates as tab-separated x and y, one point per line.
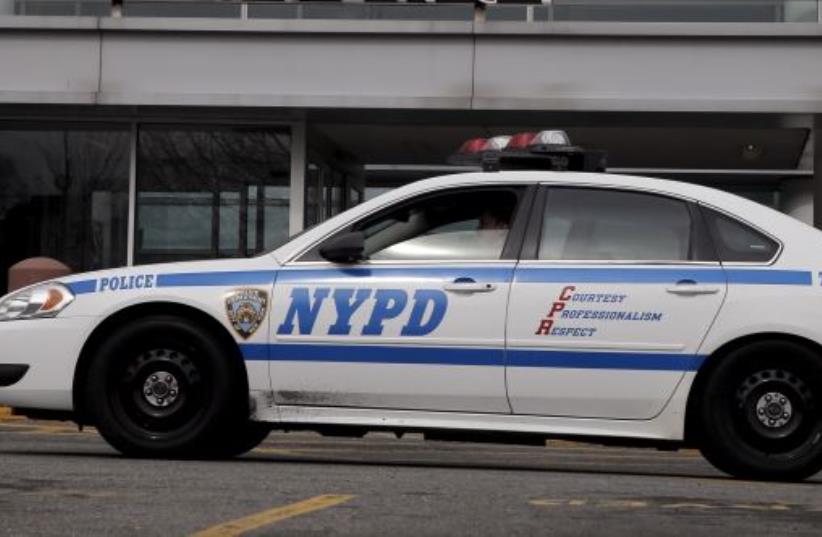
776	407
774	410
161	389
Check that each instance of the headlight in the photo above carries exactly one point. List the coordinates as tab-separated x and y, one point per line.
36	302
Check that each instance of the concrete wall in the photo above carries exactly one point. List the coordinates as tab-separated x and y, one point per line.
420	65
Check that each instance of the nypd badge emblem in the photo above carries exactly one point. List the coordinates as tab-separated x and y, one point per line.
246	309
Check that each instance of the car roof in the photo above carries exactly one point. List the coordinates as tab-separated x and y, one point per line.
689	190
769	220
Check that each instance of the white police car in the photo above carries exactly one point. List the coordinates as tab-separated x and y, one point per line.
531	303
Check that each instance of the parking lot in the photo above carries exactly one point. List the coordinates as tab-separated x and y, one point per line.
56	480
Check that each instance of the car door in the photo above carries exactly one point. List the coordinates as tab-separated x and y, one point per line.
610	302
420	323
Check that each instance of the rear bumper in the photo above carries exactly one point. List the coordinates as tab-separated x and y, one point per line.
10	374
48	349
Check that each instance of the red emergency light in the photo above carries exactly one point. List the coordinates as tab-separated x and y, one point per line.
474	145
548	149
520	141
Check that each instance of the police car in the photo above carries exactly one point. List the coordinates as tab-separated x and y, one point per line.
502	303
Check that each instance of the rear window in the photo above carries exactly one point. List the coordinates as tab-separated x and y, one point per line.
736	242
587	224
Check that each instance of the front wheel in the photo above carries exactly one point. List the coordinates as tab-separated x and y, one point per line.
242	439
163	386
761	412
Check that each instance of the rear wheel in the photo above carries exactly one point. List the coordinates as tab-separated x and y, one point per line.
163	386
761	412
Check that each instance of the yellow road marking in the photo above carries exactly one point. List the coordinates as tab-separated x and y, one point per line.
696	504
39	428
279	451
627	504
761	507
253	522
70	493
59	430
689	505
6	414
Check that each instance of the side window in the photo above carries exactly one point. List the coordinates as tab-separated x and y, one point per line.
738	242
458	225
588	224
469	225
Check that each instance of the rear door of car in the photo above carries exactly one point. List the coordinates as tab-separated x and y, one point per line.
614	293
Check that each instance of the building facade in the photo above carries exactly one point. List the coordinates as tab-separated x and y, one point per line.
151	131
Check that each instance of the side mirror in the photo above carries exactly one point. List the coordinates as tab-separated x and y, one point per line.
346	248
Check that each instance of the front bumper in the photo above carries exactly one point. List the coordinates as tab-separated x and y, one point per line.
49	350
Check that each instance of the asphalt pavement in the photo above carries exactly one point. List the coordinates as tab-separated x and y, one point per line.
55	480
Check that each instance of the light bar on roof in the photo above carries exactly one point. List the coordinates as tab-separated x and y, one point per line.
543	150
551	138
474	145
497	143
521	140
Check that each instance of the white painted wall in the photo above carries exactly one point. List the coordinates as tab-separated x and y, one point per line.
771	68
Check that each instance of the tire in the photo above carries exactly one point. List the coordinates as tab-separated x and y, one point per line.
247	436
760	412
165	387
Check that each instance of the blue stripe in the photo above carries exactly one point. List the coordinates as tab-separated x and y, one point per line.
377	354
82	287
662	275
254	351
617	275
479	274
209	279
604	360
381	354
769	276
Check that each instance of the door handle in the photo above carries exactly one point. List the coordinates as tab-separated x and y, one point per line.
690	287
468	285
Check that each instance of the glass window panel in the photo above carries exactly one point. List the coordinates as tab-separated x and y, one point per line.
176	220
506	13
610	225
63	194
312	195
251	222
136	8
738	242
229	223
372	192
471	225
214	175
276	216
686	11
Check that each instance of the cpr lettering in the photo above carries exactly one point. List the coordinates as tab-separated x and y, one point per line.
427	310
564	296
124	283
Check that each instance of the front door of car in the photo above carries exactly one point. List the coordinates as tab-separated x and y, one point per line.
418	323
610	302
